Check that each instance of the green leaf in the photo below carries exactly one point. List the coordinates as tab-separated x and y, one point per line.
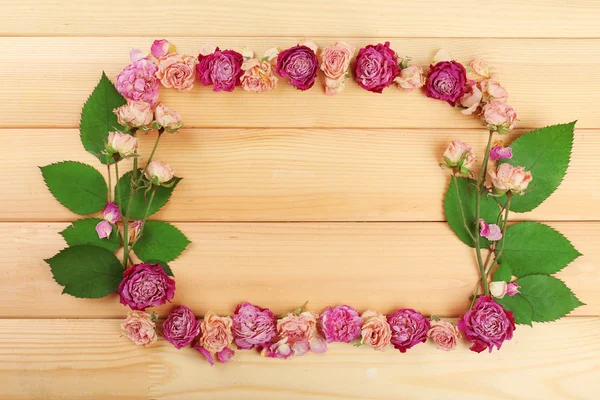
140	199
535	248
503	273
521	308
550	298
86	271
160	241
83	231
545	153
97	118
467	194
164	266
77	186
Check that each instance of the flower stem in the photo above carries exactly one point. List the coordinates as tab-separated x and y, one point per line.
151	155
109	194
117	185
145	217
480	191
504	225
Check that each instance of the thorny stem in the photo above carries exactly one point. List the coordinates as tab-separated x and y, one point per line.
109	194
151	155
480	191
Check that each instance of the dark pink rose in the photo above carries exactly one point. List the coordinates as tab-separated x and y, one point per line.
409	328
487	325
222	69
299	64
181	327
376	67
253	327
340	324
146	285
447	81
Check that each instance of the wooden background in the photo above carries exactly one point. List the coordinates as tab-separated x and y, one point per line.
293	196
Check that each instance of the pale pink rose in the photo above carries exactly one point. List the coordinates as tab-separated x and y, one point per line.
498	289
480	67
471	100
512	289
492	90
104	229
161	48
297	328
121	143
499	117
444	335
258	76
335	60
134	230
159	173
136	54
410	78
140	328
489	231
135	114
177	71
459	157
498	152
509	178
215	332
167	119
376	331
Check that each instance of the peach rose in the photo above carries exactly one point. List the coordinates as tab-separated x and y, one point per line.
139	326
167	119
122	143
258	76
297	328
480	67
471	100
335	60
492	90
499	117
410	78
376	331
135	114
177	71
215	332
509	178
444	335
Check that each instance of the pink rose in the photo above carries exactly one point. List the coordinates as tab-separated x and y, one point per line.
258	74
446	81
480	67
280	349
167	119
177	71
222	69
499	289
335	60
512	289
459	157
487	325
135	114
444	335
180	327
509	178
159	173
138	82
499	117
111	213
134	230
140	328
471	100
409	328
215	332
376	331
498	152
297	328
489	231
145	285
410	78
492	90
376	67
253	327
340	324
299	64
104	229
161	48
120	143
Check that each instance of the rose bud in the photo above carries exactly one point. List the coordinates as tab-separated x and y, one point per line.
135	114
161	48
111	213
121	143
498	289
459	157
499	117
166	119
509	178
493	91
512	289
159	173
471	100
134	230
410	78
489	231
498	152
104	229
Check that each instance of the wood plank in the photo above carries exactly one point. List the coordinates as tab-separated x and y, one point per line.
527	67
346	18
282	265
292	175
48	359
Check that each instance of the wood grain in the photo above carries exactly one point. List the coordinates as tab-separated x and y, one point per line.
382	266
67	359
342	18
537	83
292	175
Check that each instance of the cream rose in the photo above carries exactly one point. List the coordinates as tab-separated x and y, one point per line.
121	143
135	114
509	178
376	331
140	328
159	173
410	78
499	117
459	157
215	332
167	119
177	71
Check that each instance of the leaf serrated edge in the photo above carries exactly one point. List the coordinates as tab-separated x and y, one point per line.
188	241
